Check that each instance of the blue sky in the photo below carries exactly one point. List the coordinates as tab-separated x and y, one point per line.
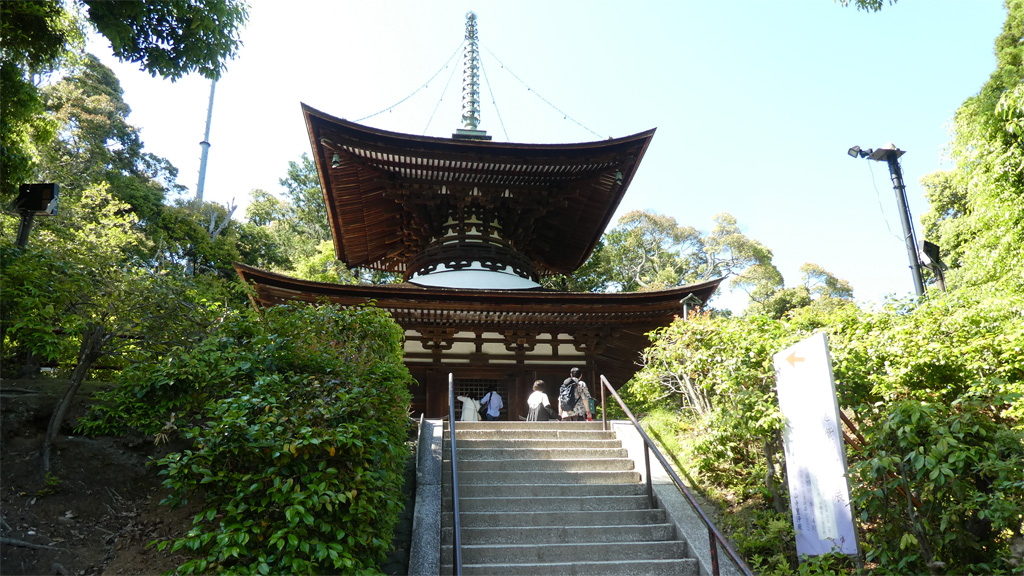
755	103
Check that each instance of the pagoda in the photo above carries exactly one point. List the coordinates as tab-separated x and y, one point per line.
472	226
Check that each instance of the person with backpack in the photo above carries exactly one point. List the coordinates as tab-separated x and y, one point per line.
491	404
540	407
574	398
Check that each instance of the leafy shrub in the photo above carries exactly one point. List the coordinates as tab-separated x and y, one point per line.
297	423
937	389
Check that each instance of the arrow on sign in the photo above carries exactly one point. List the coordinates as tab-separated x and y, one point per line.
793	359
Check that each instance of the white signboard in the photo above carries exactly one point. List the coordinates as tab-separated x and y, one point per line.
819	495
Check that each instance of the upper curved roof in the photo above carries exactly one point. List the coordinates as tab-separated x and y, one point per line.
388	193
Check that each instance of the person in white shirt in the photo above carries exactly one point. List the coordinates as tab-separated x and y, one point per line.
539	405
493	401
470	408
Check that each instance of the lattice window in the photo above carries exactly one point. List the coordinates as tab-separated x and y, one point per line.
476	389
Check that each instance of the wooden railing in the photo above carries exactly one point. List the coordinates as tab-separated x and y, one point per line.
715	537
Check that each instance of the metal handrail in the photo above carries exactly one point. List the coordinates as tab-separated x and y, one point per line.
457	531
715	537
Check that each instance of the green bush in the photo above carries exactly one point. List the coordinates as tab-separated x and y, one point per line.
297	424
936	389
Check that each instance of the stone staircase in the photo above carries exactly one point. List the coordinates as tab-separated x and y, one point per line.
553	498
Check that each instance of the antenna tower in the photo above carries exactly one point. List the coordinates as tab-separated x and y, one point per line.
205	144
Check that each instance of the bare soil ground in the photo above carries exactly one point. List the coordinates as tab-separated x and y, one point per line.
99	511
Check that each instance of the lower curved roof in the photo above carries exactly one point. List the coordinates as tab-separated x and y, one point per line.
620	320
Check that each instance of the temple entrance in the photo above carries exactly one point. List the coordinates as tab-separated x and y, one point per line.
476	388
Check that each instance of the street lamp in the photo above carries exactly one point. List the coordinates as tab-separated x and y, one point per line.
891	154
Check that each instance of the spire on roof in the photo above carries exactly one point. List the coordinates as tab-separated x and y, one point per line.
471	85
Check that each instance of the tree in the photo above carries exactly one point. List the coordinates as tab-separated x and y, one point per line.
80	277
977	209
172	38
169	38
732	253
198	237
823	284
593	276
302	187
296	232
35	38
95	142
649	251
866	5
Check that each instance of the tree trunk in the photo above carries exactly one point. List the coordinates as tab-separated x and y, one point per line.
769	477
91	349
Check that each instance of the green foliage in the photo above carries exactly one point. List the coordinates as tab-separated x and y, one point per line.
196	236
823	284
977	209
292	235
782	301
302	186
65	276
747	260
963	464
172	38
866	5
35	38
298	423
648	251
95	143
593	276
937	388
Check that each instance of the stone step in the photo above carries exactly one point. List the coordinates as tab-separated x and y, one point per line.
679	567
471	452
553	498
540	477
542	535
499	466
551	505
530	519
522	425
535	490
566	553
527	434
530	444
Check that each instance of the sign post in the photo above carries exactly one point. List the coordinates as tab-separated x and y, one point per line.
819	493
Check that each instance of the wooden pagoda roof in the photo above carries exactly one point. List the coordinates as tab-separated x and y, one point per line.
388	193
620	320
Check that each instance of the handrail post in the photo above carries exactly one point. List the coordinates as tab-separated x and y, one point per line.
456	529
647	466
714	536
604	413
714	552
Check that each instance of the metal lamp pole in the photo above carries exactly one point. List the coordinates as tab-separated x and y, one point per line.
891	154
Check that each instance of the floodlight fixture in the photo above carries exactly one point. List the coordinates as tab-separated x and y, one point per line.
930	256
34	199
858	152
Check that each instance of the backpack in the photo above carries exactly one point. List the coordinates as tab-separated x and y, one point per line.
568	395
483	407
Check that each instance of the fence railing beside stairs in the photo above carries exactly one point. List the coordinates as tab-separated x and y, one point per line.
456	528
715	538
